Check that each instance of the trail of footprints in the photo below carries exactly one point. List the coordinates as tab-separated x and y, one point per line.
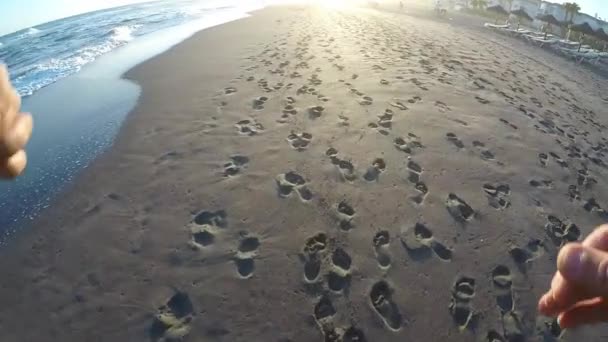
327	261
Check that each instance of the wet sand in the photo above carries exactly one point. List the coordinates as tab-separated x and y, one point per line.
308	174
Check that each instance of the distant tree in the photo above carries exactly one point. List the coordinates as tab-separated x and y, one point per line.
572	9
575	8
479	4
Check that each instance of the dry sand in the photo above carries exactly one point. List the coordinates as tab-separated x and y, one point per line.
306	172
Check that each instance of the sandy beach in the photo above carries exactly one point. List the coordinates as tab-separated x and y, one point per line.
315	174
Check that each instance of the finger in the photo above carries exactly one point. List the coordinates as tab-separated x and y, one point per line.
13	166
598	238
10	103
589	312
17	136
560	297
6	90
585	267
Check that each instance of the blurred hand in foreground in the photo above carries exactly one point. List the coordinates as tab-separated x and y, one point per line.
579	289
15	129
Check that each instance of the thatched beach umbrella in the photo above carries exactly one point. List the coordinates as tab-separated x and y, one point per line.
583	28
499	11
550	20
521	14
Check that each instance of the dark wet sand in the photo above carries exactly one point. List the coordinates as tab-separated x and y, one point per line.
308	171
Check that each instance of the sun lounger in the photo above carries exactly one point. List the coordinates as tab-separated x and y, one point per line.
498	27
590	56
540	41
518	32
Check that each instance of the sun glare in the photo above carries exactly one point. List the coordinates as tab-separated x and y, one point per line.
325	3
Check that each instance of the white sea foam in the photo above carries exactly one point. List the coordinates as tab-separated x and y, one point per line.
123	33
32	31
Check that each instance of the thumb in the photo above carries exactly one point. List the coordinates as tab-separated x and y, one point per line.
585	267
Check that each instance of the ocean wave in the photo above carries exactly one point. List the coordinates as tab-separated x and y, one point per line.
32	31
54	69
123	33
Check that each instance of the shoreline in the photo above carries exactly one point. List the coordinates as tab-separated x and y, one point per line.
121	240
102	98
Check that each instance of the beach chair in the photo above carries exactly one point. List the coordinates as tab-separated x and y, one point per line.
518	32
589	56
541	41
496	27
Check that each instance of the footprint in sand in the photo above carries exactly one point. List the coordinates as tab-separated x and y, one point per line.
534	249
384	122
561	232
346	214
353	334
338	278
235	165
287	111
498	195
423	190
172	320
290	182
458	208
485	153
373	172
583	178
536	102
381	243
381	300
506	122
313	249
299	141
244	258
414	99
315	112
454	140
460	306
512	327
249	127
398	105
384	82
481	100
229	90
442	107
503	283
559	160
408	144
324	310
592	206
346	168
258	103
205	226
541	183
574	193
420	244
494	336
414	171
549	329
542	159
366	100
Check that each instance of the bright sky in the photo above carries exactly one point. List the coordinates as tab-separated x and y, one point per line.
19	14
592	7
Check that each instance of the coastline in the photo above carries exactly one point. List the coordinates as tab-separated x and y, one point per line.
115	244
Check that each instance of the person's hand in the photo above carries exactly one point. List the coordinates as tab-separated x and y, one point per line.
579	289
15	129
